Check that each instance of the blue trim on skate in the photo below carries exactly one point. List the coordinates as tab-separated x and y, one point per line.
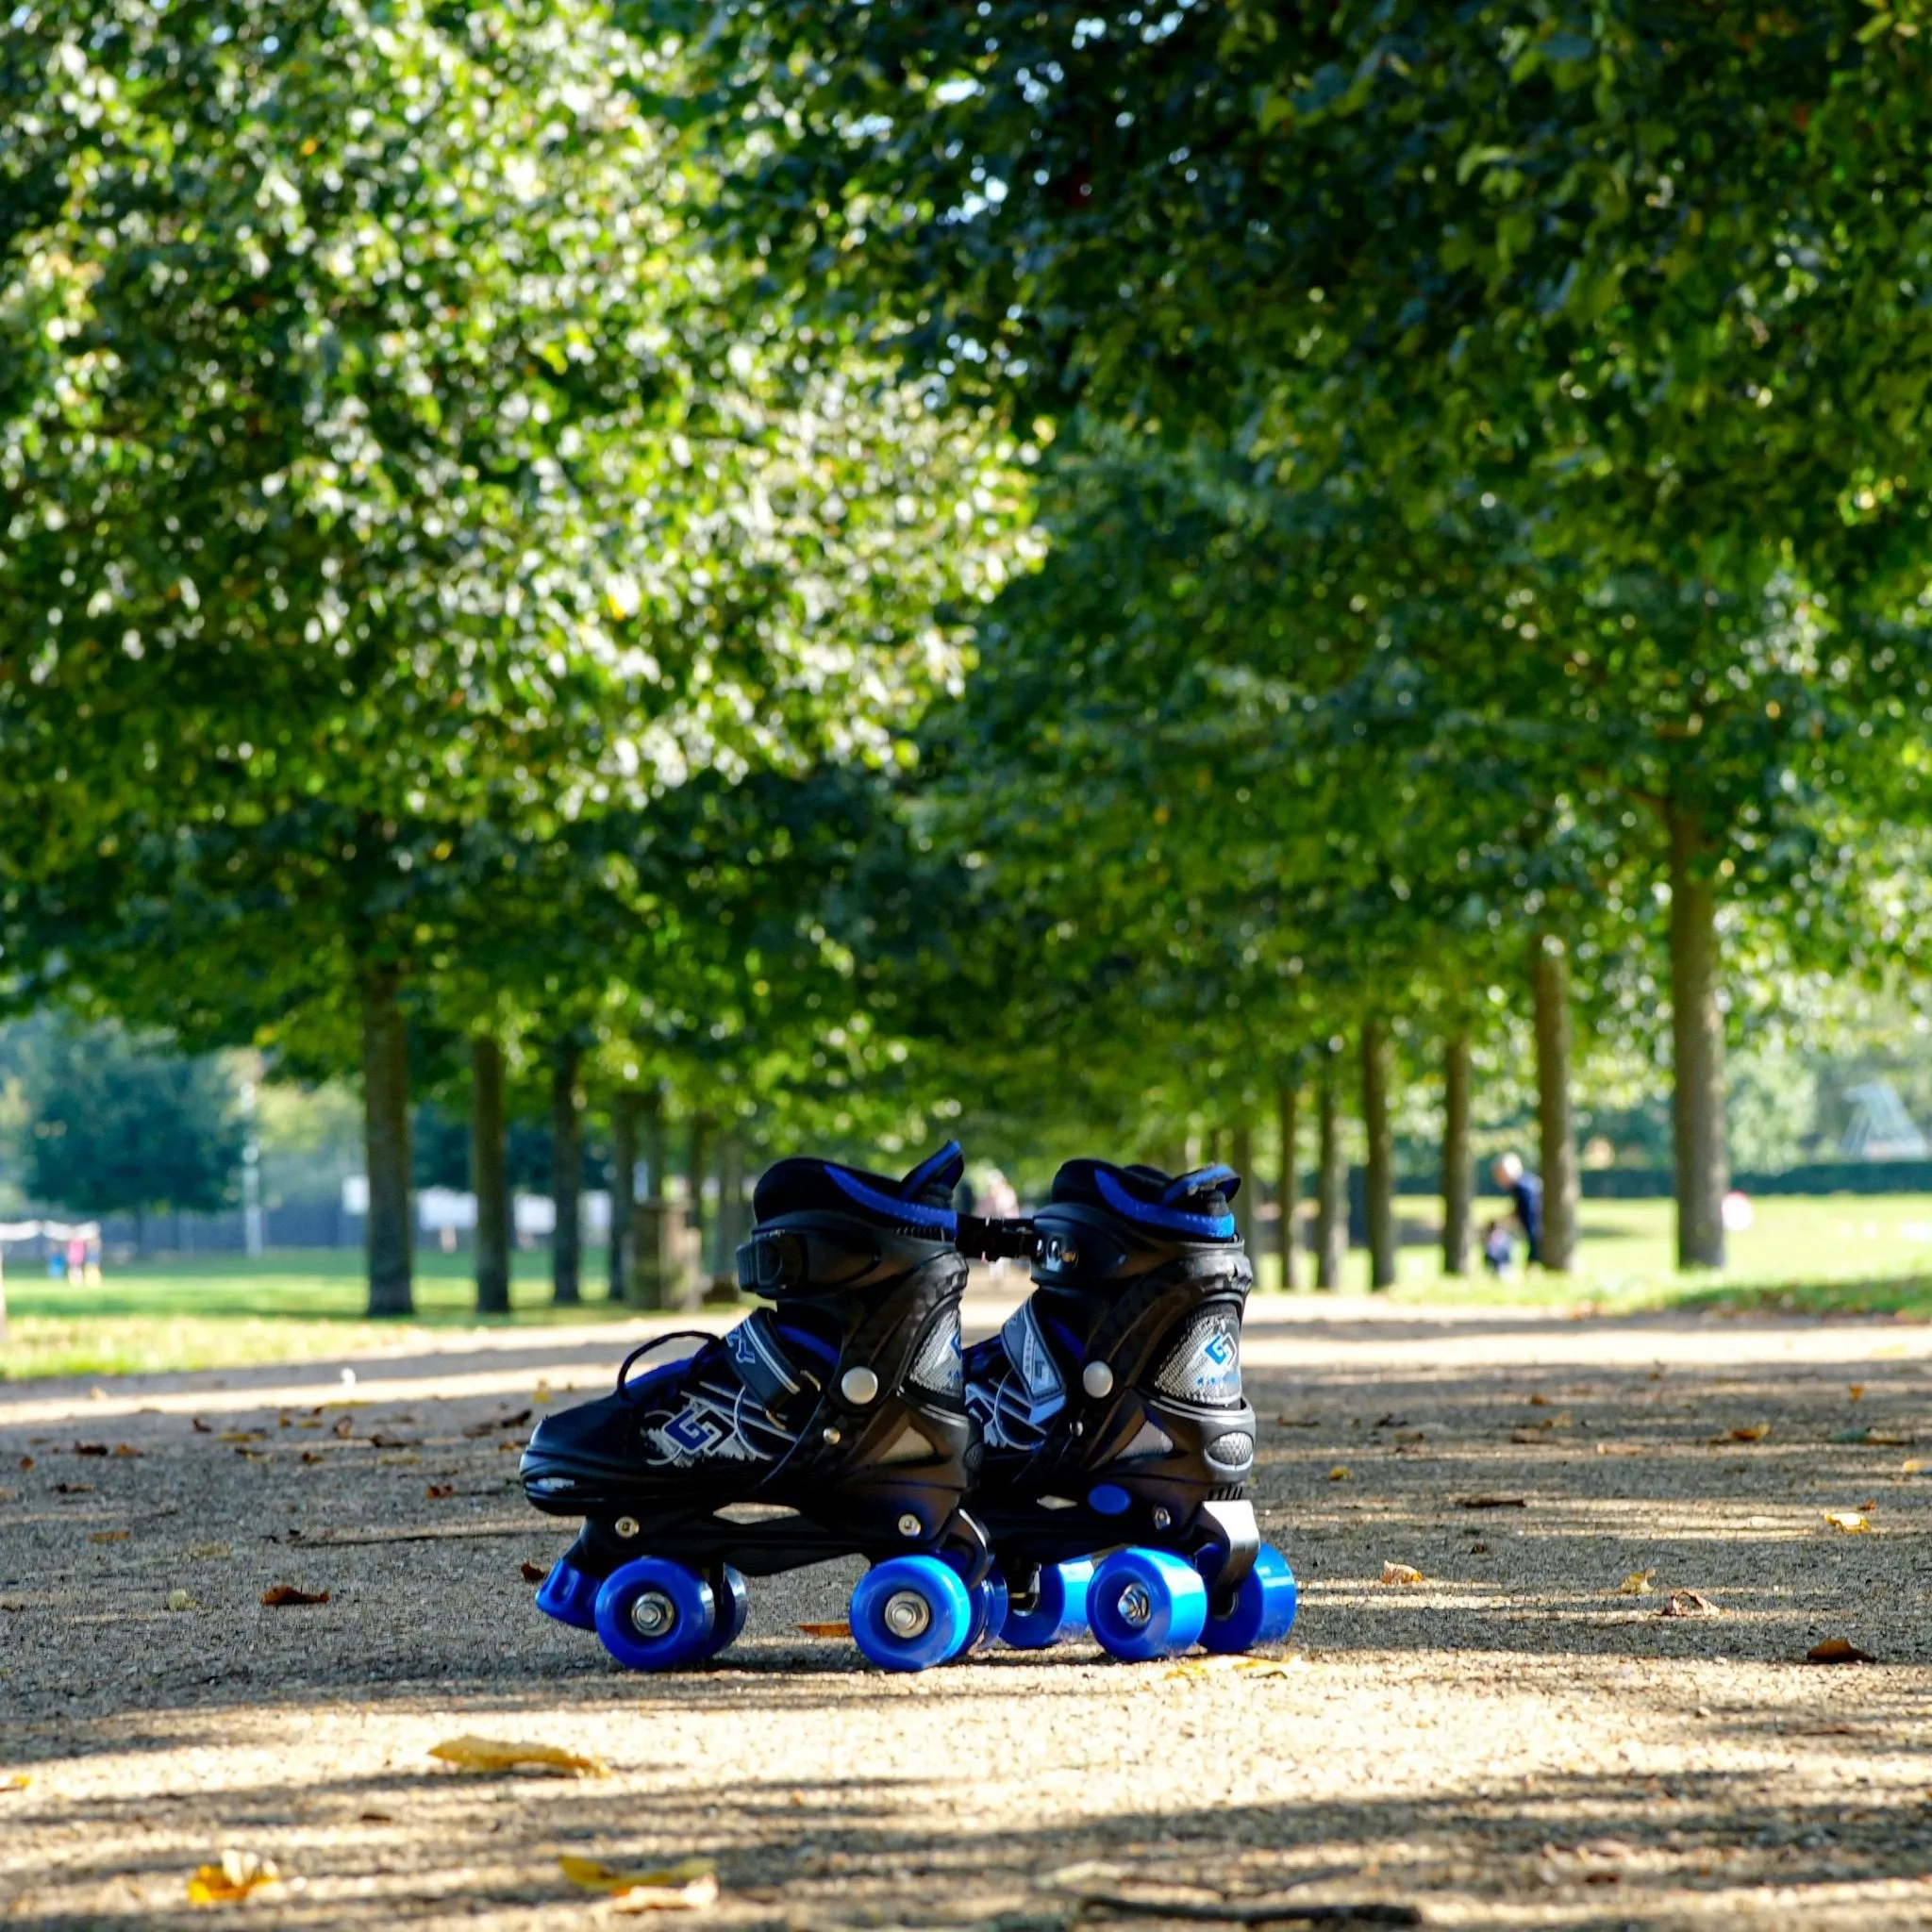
1198	1181
569	1595
1265	1607
912	1213
1217	1227
1108	1499
952	1155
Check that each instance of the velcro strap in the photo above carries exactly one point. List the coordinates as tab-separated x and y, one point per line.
773	1259
760	1361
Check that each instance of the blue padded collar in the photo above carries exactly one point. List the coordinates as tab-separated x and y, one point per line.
1214	1227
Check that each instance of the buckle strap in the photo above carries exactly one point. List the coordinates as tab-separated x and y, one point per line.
995	1241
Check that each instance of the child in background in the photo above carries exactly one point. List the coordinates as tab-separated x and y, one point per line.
1499	1249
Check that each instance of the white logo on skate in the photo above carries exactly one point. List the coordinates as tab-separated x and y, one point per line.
1206	1367
937	1365
701	1430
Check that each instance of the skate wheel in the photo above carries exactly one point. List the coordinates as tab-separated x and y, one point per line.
653	1613
1146	1604
732	1606
569	1595
989	1599
910	1612
1058	1613
1265	1607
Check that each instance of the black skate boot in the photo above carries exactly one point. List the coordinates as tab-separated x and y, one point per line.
1111	1409
831	1423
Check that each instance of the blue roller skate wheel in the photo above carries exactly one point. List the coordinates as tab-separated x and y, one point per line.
990	1603
1265	1607
910	1612
653	1614
1145	1604
731	1606
1059	1611
569	1595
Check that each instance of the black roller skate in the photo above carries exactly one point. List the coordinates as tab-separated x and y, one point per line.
1111	1409
831	1423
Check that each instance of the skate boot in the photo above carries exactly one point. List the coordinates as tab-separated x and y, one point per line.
830	1423
1114	1426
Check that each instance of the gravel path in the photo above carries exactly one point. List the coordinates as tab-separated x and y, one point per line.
1510	1742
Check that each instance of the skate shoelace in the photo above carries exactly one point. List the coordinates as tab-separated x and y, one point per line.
657	1341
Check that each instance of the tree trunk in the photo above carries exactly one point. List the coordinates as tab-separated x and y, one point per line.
566	1173
1550	991
697	1161
1459	1179
1331	1184
1241	1141
1381	1175
1697	1038
731	1217
624	1162
1290	1180
489	1174
650	1285
386	1145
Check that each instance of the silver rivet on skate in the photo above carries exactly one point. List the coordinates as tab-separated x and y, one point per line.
831	1436
1077	1429
1098	1379
653	1614
909	1525
858	1386
627	1527
1135	1608
1162	1517
907	1614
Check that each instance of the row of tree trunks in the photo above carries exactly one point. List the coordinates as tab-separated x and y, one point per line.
489	1174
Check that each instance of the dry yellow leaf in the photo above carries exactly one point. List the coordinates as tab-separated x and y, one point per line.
1636	1584
239	1436
1850	1521
1857	1391
1750	1432
840	1630
1340	1472
180	1600
109	1536
240	1875
1400	1572
541	1393
688	1884
18	1782
1913	1465
495	1754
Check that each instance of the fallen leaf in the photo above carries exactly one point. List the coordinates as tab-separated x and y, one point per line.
375	1818
840	1630
18	1782
248	1454
1620	1448
73	1489
345	1427
1848	1522
1400	1572
109	1536
1636	1584
180	1600
499	1422
1838	1650
1493	1502
27	1462
533	1573
1747	1432
1340	1472
1689	1603
204	1551
1856	1391
541	1393
195	1422
1913	1465
90	1448
691	1882
240	1875
494	1754
311	1456
241	1436
440	1493
381	1440
1538	1402
125	1449
280	1594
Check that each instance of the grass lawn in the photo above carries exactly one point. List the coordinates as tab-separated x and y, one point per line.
1835	1253
204	1311
1839	1253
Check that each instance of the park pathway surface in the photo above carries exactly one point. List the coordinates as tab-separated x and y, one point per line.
1525	1737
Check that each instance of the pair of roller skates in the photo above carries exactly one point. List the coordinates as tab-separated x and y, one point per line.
1083	1470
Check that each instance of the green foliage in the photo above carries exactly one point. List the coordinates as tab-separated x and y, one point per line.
112	1124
